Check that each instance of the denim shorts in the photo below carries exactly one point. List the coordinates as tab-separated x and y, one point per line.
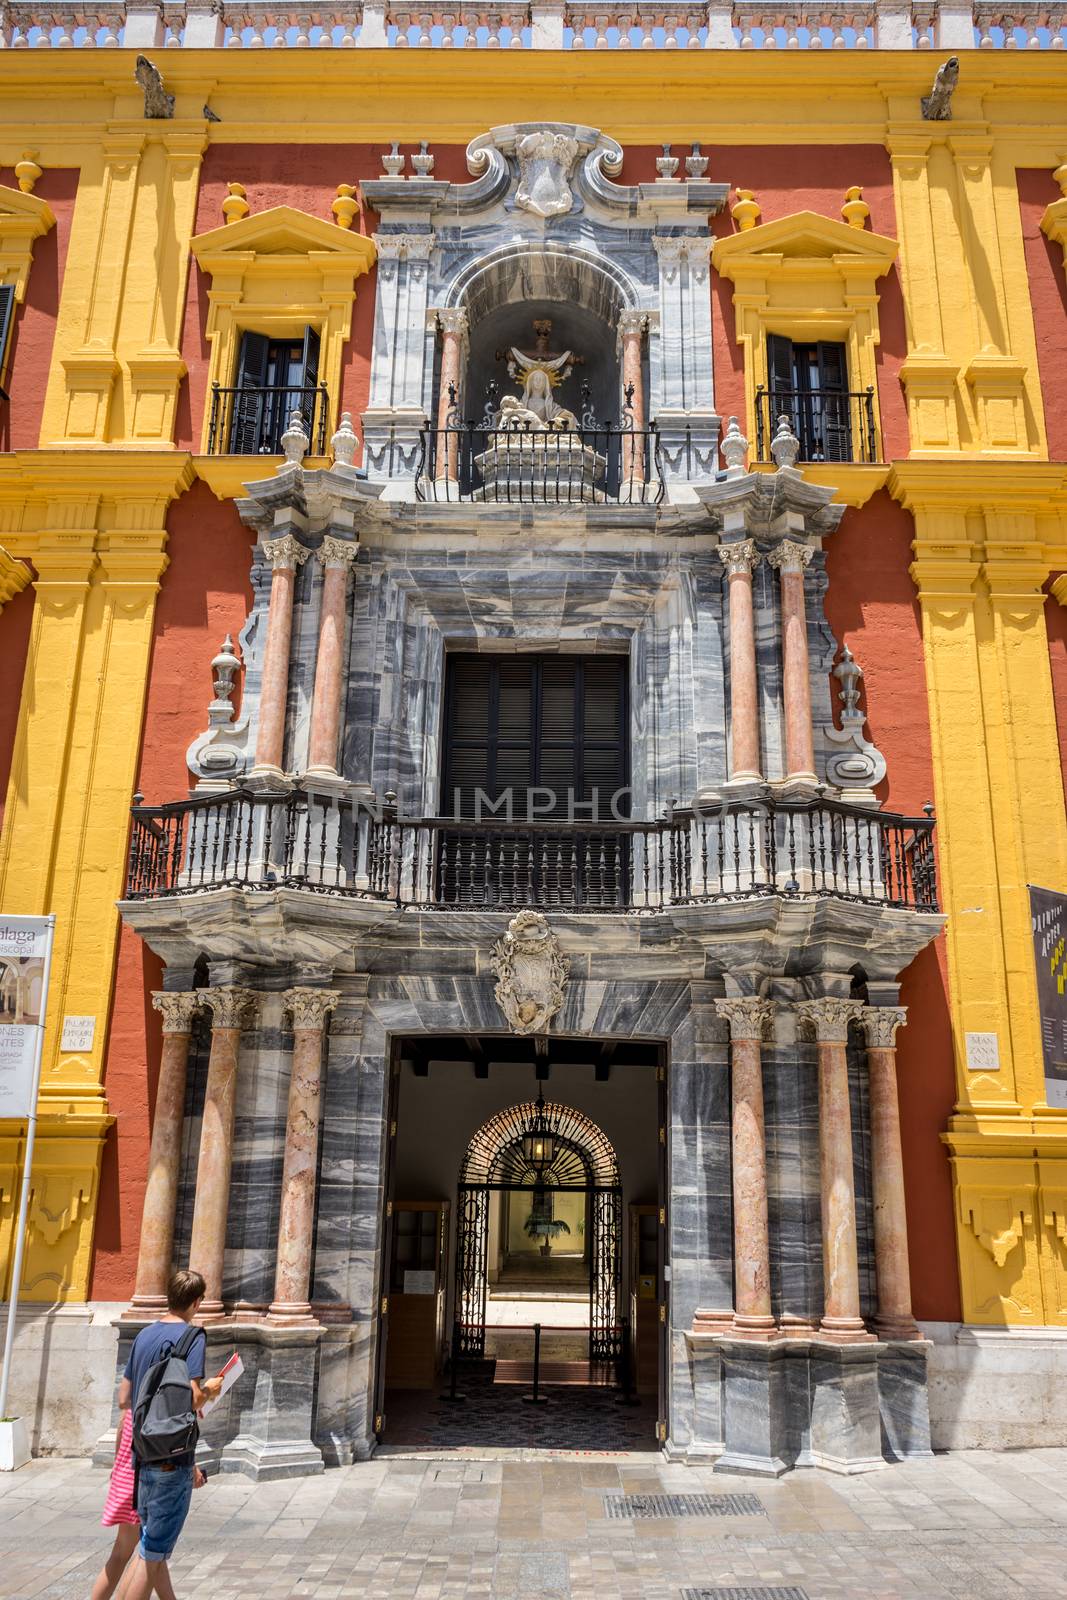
163	1498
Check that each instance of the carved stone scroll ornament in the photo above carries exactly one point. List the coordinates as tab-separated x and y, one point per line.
546	160
531	971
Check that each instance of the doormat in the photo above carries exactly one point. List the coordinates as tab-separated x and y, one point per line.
684	1505
744	1593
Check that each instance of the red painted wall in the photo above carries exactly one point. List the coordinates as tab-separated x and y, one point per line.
779	178
205	595
1048	299
1056	627
35	320
16	621
872	608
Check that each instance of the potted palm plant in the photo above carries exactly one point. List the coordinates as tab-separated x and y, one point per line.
539	1225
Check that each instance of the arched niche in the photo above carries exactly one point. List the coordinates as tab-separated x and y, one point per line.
583	296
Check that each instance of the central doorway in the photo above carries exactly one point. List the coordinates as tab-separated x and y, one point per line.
525	1209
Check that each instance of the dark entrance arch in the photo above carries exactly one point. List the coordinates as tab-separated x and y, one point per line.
583	1160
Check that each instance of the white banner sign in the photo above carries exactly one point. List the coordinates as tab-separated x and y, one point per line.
23	947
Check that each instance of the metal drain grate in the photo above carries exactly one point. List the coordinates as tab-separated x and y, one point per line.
744	1594
684	1505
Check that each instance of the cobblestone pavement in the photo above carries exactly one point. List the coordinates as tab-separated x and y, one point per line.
973	1525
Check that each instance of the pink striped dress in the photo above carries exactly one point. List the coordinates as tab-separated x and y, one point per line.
119	1504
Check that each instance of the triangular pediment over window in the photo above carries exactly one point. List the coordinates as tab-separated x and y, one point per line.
23	218
283	230
804	236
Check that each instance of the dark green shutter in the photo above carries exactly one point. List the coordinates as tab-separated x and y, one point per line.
247	415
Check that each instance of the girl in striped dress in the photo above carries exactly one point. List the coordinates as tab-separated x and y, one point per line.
118	1508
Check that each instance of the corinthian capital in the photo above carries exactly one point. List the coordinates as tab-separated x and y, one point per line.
453	320
741	556
789	556
310	1007
632	322
230	1008
829	1018
881	1023
337	552
748	1015
177	1007
285	552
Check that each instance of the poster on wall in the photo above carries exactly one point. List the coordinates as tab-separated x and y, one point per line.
1048	919
23	959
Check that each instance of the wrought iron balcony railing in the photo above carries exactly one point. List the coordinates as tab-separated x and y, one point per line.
338	847
527	466
248	421
831	426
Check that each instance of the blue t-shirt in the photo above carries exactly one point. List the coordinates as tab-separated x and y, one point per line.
148	1348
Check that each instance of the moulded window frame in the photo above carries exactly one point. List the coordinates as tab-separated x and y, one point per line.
279	272
807	278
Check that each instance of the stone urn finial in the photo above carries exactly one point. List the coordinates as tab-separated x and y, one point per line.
855	209
235	206
422	164
734	449
393	162
295	442
27	171
785	446
745	210
666	164
345	206
696	164
344	442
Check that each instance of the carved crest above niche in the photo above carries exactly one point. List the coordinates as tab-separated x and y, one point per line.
531	972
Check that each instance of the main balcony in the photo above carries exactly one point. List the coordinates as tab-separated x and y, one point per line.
590	465
341	847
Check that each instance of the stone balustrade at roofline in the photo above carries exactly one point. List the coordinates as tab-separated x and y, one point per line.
951	25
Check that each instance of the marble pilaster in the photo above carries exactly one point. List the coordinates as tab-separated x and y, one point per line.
683	397
748	1017
894	1319
337	557
396	408
829	1019
231	1010
296	1225
791	558
155	1252
284	555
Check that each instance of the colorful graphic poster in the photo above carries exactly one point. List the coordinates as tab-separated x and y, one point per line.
23	952
1048	919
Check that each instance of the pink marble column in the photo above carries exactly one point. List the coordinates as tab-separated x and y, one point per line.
231	1010
894	1319
164	1158
791	559
632	325
829	1019
284	555
739	559
296	1219
453	325
337	557
748	1017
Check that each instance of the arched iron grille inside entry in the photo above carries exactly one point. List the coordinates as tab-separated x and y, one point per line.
583	1160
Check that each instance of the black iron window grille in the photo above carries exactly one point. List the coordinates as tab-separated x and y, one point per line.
247	421
831	425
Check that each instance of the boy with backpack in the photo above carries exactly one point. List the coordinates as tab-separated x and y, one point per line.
164	1382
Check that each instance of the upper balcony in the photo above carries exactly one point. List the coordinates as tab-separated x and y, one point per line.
332	846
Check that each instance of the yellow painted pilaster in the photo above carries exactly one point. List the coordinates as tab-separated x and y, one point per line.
981	559
93	525
85	361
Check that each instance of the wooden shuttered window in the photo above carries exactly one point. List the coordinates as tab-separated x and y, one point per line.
808	383
263	403
519	723
7	317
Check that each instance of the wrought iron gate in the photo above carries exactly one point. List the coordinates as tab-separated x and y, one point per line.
472	1268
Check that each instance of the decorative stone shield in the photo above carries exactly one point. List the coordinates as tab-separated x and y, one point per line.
531	971
545	161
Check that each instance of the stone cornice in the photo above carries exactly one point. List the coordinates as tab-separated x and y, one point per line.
14	576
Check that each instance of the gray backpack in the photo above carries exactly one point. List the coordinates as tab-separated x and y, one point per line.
164	1422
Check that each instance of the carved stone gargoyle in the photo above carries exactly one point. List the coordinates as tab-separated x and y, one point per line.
937	105
531	971
158	104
